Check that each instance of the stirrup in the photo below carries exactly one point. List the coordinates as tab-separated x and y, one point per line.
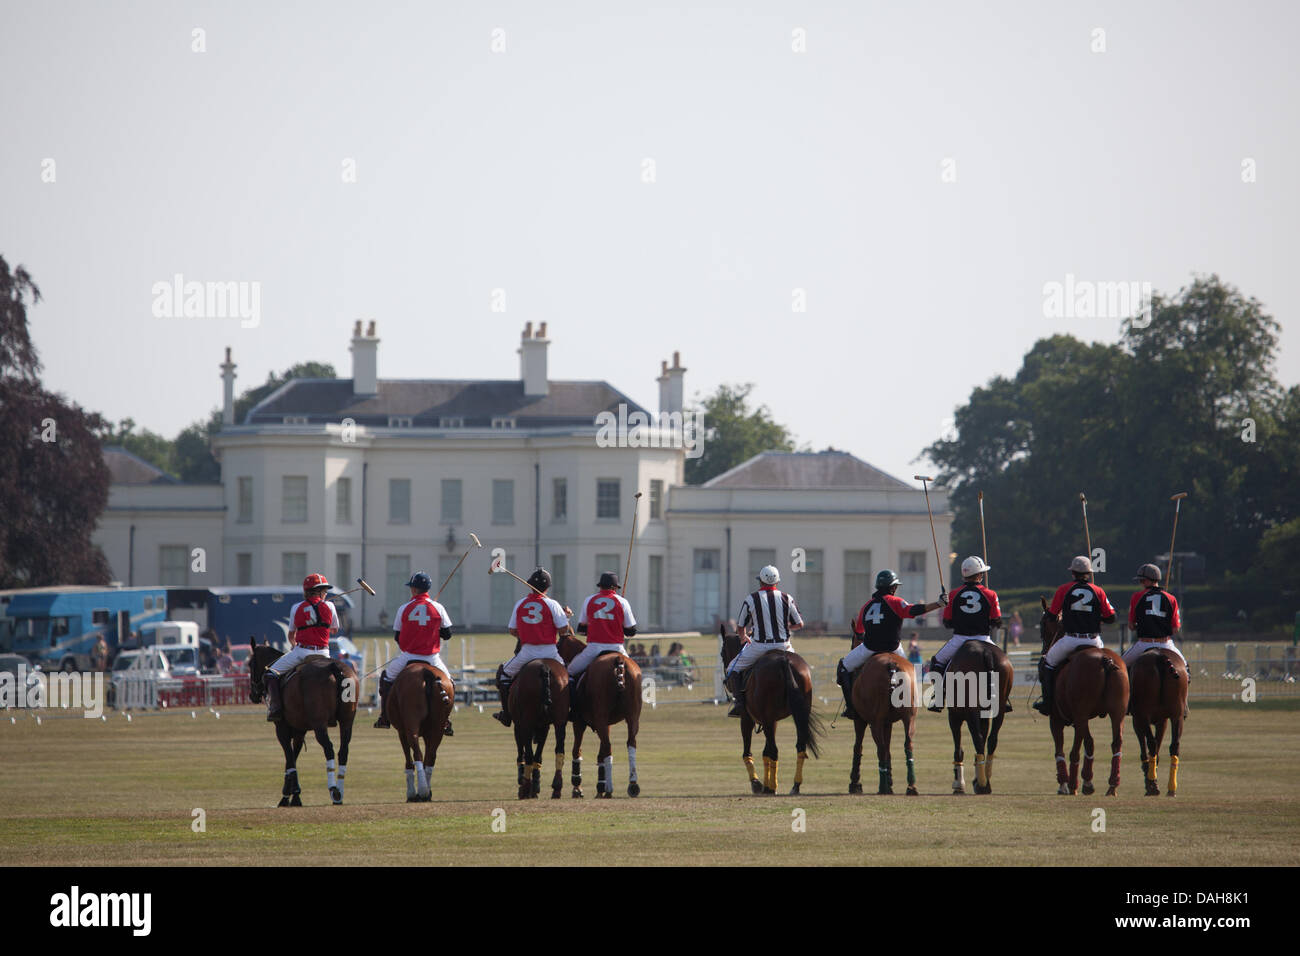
1041	706
382	723
503	717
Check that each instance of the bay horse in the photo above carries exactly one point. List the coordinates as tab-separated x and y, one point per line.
779	685
608	691
538	700
1159	697
319	693
1091	682
419	704
986	666
884	693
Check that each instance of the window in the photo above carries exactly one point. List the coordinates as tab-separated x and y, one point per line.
503	502
606	562
503	423
451	595
148	604
293	568
505	592
173	563
450	503
808	587
911	569
451	422
244	509
397	571
344	492
293	498
559	499
244	569
342	570
858	585
99	616
656	499
706	590
607	498
654	613
400	421
560	579
399	500
759	558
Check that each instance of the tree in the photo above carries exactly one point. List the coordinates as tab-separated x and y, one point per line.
54	484
733	433
147	445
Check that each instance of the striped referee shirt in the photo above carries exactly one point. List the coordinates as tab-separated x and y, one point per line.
769	613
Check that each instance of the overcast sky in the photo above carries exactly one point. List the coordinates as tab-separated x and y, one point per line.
524	169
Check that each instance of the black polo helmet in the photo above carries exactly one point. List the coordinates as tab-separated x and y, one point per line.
420	581
540	579
608	581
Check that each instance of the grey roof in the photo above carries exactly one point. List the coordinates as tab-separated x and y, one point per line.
574	404
124	468
807	470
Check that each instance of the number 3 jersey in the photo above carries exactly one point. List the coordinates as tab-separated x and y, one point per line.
972	610
1081	605
538	619
604	615
1153	614
419	623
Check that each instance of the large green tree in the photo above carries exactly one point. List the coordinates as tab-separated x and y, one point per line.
733	432
54	483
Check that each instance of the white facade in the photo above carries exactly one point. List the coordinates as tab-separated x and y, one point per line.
163	534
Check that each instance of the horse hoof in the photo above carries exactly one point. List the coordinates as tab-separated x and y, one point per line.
1110	791
295	801
607	795
958	791
634	789
412	798
284	802
768	792
755	786
577	793
555	794
426	797
1172	793
913	792
794	791
1089	789
885	792
1062	791
855	788
336	795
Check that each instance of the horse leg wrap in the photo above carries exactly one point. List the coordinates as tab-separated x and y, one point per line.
773	773
631	764
1114	770
958	776
608	765
911	770
290	781
1061	776
600	777
559	764
410	782
886	784
329	774
1074	775
1087	765
981	775
421	778
749	766
343	772
576	772
522	772
798	767
1149	768
1173	775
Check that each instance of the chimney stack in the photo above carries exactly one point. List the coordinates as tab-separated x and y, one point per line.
228	390
365	360
532	361
672	386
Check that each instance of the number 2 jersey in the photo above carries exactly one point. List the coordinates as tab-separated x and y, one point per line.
881	619
604	617
972	610
421	624
1153	614
538	619
1082	605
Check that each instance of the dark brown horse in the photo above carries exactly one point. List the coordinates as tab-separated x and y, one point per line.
1159	697
884	693
979	675
609	690
1091	682
419	705
318	694
779	685
538	700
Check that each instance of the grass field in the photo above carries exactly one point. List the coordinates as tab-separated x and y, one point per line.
118	793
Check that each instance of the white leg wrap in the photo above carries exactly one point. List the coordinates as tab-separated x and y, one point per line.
609	773
421	778
343	770
631	764
410	783
329	774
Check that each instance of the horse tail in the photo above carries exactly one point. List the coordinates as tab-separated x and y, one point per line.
546	693
808	723
430	680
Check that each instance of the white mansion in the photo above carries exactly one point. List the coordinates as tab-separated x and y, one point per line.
377	478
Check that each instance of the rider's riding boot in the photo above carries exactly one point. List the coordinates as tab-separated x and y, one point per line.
1046	676
274	709
737	688
503	687
844	677
385	685
936	705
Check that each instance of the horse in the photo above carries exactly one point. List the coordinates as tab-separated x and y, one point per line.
1091	682
419	705
1159	697
538	699
980	664
610	692
884	692
779	685
315	696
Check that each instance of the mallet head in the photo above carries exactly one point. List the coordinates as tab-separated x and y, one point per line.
923	478
1181	494
473	537
365	587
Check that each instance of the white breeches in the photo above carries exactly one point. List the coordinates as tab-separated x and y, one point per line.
1066	643
297	654
956	641
589	654
751	652
858	656
530	652
1139	647
401	660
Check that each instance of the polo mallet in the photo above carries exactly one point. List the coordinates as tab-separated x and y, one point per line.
627	573
937	560
477	544
984	542
364	587
1178	503
1087	537
494	568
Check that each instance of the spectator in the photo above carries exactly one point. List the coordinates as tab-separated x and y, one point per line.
655	659
225	663
1016	627
99	654
914	656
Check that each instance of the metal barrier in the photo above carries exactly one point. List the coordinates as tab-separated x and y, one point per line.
139	692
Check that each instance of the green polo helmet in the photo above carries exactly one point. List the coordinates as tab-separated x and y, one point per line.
887	579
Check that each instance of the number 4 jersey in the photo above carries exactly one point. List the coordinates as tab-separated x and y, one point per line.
538	620
604	616
419	625
1082	605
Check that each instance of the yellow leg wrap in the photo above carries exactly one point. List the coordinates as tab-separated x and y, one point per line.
559	764
798	769
749	765
1151	768
773	774
1173	774
981	776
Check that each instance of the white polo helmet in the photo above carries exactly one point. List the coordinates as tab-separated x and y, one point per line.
769	576
1081	565
974	565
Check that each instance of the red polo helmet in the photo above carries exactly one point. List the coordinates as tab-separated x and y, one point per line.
314	581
